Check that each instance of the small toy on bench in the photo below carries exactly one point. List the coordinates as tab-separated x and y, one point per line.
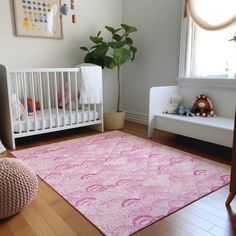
174	107
202	106
175	101
184	111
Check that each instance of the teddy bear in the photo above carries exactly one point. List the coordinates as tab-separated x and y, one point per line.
175	101
202	106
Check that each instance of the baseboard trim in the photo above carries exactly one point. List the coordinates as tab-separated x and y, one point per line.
137	117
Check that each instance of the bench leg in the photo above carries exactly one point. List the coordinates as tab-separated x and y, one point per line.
230	198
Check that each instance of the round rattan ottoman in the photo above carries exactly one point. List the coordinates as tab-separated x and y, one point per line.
18	186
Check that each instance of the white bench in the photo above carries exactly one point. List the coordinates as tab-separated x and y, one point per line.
218	130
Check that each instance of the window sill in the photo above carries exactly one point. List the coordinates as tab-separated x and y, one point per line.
206	82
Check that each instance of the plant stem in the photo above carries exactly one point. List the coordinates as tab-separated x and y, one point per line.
118	80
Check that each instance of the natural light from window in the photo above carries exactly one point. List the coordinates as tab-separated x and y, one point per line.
211	54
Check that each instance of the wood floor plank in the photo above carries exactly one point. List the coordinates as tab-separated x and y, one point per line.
190	228
221	213
5	230
212	218
195	220
217	231
218	203
19	226
74	219
163	228
17	222
58	225
36	222
26	231
51	196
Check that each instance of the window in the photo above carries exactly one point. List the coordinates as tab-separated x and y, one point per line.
209	53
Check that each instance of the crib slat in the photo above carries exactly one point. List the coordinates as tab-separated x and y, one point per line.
63	98
49	100
70	102
34	100
18	115
83	110
76	98
89	116
95	111
41	99
25	101
56	98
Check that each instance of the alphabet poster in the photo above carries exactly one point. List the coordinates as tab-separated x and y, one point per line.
38	18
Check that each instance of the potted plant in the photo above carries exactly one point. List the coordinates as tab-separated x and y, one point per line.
112	54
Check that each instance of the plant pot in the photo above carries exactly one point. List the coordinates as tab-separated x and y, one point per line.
114	120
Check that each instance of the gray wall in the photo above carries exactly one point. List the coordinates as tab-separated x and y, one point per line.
158	43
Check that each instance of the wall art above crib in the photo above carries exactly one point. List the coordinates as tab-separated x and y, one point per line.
38	18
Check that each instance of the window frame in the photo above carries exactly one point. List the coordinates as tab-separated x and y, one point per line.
185	52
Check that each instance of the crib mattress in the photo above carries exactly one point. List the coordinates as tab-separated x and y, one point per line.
56	121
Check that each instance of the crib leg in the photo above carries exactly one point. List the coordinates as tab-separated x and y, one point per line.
98	127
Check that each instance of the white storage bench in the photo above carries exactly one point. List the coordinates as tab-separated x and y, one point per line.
218	130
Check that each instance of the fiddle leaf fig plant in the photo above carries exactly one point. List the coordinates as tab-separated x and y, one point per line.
112	53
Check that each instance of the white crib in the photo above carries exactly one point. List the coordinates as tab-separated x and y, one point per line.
36	101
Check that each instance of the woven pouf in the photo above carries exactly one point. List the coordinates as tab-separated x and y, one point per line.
18	186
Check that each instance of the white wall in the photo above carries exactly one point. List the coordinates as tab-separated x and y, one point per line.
157	40
93	15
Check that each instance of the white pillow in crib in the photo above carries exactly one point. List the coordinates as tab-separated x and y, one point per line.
15	105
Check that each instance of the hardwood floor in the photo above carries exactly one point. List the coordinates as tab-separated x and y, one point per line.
49	214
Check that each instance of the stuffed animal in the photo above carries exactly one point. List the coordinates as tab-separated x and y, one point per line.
67	101
18	109
175	101
184	111
202	106
30	105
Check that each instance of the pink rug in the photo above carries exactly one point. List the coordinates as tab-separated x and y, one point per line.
123	183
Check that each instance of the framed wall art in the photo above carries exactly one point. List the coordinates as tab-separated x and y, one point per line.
38	18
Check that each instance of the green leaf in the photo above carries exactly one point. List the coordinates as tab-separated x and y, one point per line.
96	39
133	50
84	49
109	62
101	50
94	59
119	44
99	33
112	30
95	46
129	41
117	37
121	55
121	47
128	28
109	28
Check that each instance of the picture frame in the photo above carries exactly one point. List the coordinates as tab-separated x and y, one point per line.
38	18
